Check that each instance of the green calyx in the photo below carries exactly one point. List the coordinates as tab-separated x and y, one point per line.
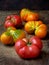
28	43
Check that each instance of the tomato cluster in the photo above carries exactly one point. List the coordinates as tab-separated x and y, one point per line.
25	47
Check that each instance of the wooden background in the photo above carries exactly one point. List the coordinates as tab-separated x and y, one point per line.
8	55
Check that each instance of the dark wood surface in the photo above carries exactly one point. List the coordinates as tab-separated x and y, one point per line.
8	55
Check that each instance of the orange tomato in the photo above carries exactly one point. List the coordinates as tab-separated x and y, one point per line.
37	27
38	23
24	12
32	17
28	15
41	31
6	38
29	26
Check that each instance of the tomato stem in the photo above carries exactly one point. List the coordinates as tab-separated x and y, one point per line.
29	44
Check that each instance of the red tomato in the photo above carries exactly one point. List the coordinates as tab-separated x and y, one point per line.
8	17
36	41
29	49
8	23
15	19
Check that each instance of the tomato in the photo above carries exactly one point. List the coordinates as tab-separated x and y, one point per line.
8	23
25	39
36	41
29	27
11	28
32	17
41	31
24	13
15	19
8	17
38	23
29	49
17	34
28	15
37	27
6	38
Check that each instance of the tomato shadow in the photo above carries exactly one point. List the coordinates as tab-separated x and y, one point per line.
16	60
47	37
10	45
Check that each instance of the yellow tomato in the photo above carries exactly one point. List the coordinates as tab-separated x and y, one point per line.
6	38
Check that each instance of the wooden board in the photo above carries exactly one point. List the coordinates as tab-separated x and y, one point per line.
8	55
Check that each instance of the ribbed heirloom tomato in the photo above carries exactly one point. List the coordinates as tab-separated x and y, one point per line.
6	38
38	27
13	20
11	28
32	17
29	49
28	15
17	34
8	23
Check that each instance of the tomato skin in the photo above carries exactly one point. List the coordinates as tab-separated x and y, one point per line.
11	28
8	23
24	13
6	38
36	41
28	15
38	27
8	17
32	17
29	26
19	45
15	19
31	51
41	31
25	39
17	34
